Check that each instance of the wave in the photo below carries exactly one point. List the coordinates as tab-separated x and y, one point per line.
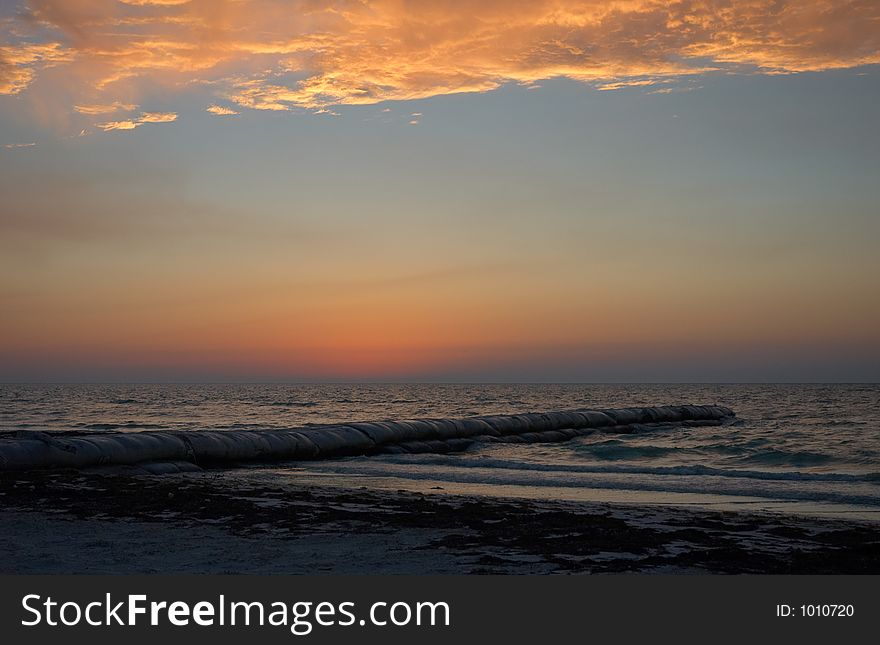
129	425
618	450
788	458
755	452
746	488
684	471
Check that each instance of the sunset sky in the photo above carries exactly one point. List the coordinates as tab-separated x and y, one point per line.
448	190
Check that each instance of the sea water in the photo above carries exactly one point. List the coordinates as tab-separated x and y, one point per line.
811	449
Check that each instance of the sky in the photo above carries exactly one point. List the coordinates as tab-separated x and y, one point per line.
542	190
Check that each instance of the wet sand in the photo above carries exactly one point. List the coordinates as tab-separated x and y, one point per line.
228	522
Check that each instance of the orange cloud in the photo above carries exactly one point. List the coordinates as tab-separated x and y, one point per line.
220	110
116	106
118	125
157	117
19	63
146	117
280	55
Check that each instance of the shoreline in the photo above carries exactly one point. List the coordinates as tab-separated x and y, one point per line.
221	522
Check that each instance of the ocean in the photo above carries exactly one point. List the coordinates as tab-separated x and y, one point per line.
796	449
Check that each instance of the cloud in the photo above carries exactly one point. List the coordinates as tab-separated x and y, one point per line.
619	85
118	125
145	117
158	117
19	63
675	90
116	106
12	146
279	55
220	110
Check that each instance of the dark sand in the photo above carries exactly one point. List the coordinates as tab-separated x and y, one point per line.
222	522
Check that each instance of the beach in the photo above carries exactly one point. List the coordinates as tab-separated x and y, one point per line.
233	521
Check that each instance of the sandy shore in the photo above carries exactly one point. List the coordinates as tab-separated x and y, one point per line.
227	522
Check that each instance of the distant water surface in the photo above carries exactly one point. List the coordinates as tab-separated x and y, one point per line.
796	448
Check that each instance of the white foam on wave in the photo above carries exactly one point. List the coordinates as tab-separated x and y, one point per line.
463	471
488	462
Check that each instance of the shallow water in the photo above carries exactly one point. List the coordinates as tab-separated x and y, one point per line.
795	448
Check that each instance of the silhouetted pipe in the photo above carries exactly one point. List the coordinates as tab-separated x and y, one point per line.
29	450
